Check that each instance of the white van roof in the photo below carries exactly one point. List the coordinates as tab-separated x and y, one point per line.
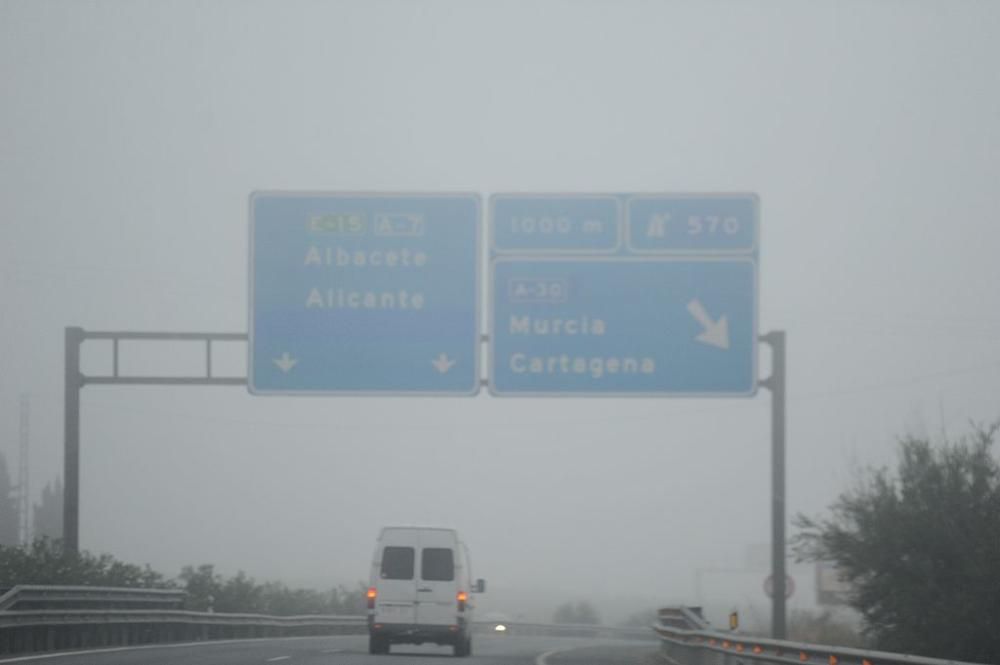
418	528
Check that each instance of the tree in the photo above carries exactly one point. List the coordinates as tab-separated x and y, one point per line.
276	598
239	594
349	601
48	514
580	612
920	548
9	532
203	586
46	562
823	628
642	619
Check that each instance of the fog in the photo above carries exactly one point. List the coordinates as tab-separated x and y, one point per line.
132	133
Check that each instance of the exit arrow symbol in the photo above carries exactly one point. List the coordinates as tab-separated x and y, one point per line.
285	362
716	333
443	363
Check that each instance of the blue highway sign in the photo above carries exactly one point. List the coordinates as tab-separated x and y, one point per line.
364	294
554	224
670	311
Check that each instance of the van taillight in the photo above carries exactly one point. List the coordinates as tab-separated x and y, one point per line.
462	597
372	593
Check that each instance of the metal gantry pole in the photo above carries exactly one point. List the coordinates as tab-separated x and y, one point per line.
776	384
71	455
76	380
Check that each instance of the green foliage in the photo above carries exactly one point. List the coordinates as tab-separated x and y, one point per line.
209	591
823	628
920	547
280	600
203	586
45	562
580	612
241	594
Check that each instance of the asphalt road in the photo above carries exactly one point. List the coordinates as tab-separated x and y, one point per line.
353	650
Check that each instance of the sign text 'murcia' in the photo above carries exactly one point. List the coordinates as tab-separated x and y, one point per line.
583	325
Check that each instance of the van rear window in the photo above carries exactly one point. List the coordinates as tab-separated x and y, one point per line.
397	563
437	564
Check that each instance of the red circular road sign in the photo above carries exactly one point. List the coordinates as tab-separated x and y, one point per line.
789	586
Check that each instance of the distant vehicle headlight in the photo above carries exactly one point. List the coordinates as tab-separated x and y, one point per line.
500	628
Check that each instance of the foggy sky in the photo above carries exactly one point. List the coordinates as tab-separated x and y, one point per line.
131	134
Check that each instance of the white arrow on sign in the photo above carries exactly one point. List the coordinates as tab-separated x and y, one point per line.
443	363
716	332
285	362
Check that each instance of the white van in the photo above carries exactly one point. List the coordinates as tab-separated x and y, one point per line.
421	590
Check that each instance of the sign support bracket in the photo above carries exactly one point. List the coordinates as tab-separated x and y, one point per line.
76	380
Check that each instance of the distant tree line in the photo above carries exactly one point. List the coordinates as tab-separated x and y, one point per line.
208	590
581	612
44	561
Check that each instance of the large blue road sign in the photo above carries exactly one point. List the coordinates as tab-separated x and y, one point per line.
668	307
618	325
364	294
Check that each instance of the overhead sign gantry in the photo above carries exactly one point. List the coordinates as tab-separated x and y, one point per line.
590	294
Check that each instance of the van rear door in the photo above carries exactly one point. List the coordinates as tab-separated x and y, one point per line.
437	586
397	584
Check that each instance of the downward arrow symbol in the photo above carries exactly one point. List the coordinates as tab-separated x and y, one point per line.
716	333
285	362
443	363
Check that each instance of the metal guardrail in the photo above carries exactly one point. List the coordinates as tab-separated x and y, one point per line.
566	629
52	630
36	618
31	596
695	645
32	618
688	618
49	618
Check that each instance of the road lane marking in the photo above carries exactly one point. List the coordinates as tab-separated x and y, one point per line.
277	658
166	645
543	658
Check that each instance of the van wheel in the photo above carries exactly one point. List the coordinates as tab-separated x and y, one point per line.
378	645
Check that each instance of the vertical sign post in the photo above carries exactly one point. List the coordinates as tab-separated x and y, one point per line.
71	452
776	384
